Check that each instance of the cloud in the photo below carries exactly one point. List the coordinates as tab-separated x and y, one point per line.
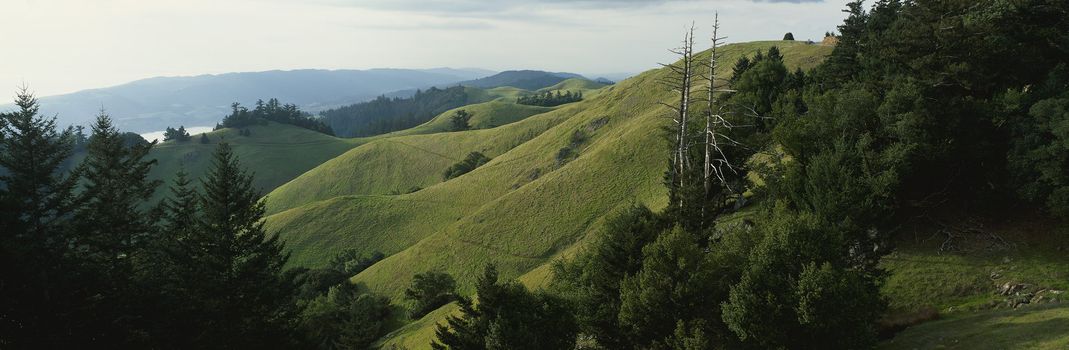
488	7
789	1
429	25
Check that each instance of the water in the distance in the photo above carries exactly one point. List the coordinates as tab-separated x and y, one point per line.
193	131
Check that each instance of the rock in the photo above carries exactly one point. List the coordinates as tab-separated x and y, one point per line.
1010	288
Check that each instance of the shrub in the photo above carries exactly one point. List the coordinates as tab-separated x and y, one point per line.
429	291
472	161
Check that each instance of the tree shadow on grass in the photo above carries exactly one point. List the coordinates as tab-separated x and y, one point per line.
1037	327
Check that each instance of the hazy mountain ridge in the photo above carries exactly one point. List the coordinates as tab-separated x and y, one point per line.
155	103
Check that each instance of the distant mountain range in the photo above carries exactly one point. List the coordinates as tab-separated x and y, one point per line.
155	103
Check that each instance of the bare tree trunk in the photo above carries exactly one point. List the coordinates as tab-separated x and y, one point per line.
684	108
711	117
681	81
711	91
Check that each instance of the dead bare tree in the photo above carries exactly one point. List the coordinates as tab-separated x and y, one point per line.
713	119
712	116
681	81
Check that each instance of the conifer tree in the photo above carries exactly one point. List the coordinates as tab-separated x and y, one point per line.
507	317
180	208
111	223
111	227
36	200
33	153
246	301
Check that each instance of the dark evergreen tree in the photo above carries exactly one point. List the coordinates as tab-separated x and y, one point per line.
800	291
741	65
234	275
112	229
180	134
672	287
788	37
344	318
461	120
592	280
507	316
40	295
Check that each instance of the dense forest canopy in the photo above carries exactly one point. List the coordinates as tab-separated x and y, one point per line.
383	115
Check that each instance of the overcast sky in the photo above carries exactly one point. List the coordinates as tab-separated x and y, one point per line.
60	46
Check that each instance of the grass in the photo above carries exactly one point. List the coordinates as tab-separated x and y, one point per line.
485	115
419	333
1038	328
575	84
922	276
387	164
275	153
520	211
963	286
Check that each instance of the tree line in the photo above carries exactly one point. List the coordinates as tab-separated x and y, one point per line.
383	115
272	110
550	98
179	135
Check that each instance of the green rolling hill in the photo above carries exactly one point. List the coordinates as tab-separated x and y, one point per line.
276	153
523	209
575	84
556	174
490	212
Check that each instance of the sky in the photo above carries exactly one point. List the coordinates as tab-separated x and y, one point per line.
62	46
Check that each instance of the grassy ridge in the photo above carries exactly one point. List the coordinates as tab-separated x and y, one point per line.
534	220
523	208
276	153
484	116
386	164
553	216
575	84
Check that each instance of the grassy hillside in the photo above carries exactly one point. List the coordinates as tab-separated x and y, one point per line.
275	153
1039	328
575	84
484	116
399	163
520	211
965	285
529	206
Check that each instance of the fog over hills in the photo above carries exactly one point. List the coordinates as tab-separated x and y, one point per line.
152	104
